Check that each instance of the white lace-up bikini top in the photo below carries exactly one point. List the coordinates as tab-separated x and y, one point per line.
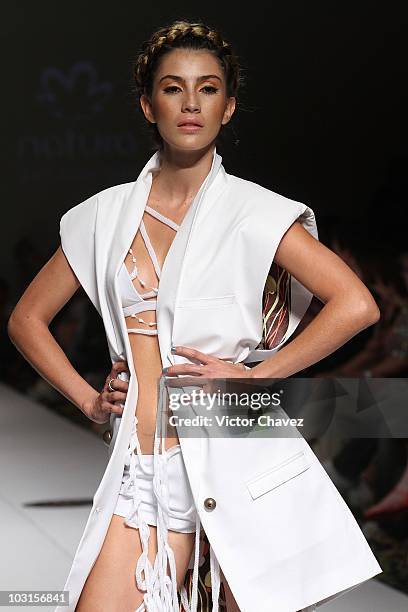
133	302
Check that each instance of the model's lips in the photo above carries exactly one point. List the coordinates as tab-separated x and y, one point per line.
189	127
189	123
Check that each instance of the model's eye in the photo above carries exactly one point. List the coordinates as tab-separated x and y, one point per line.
209	89
171	88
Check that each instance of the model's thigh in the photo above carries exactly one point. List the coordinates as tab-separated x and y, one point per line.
182	545
111	584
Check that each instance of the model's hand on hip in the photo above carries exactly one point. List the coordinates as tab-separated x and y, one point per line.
103	405
205	365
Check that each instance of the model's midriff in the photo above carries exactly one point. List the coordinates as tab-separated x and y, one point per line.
148	368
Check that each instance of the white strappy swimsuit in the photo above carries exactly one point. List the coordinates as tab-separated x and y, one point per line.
133	302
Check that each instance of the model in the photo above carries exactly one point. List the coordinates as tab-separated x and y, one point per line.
175	263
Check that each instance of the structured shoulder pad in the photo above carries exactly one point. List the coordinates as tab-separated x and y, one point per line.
77	233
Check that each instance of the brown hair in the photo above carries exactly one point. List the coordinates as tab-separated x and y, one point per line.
185	35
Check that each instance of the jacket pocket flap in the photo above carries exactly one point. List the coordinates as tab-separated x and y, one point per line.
277	475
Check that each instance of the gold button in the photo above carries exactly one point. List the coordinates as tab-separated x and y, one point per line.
107	436
210	503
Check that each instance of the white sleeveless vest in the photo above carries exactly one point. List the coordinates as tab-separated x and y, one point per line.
280	530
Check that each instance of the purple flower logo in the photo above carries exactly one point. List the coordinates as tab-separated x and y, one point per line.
76	94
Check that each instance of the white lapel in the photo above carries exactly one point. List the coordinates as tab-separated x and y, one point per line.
126	221
175	261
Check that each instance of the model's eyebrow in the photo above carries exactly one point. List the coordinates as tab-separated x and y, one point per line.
204	77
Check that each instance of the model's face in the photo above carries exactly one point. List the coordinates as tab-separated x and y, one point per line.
189	85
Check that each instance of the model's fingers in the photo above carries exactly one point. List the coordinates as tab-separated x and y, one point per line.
194	354
186	381
109	407
116	409
205	384
118	385
115	396
120	366
117	368
184	368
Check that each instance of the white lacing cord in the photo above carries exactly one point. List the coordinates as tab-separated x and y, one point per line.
131	487
188	607
161	589
168	584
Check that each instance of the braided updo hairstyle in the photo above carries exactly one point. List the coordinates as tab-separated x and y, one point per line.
185	35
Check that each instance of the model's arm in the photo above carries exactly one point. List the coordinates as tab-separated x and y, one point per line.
28	329
348	308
